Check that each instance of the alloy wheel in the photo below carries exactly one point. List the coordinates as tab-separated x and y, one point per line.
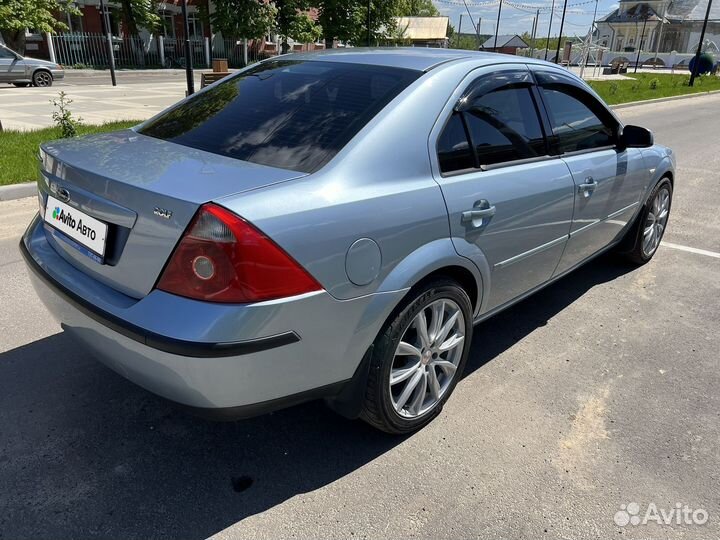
427	358
655	222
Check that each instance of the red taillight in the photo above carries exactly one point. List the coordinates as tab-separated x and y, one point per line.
222	258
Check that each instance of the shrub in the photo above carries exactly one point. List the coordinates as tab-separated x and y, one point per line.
654	84
63	117
613	88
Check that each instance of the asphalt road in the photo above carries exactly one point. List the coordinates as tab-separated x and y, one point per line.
598	392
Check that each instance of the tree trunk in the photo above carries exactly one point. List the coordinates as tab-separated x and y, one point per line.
129	17
284	46
15	40
329	43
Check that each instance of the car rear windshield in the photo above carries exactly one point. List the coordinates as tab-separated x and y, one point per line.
290	114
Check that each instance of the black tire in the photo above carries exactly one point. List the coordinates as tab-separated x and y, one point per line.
633	243
377	408
20	84
42	78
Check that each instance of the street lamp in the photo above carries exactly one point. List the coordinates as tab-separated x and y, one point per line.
108	35
642	37
188	55
552	14
696	64
562	23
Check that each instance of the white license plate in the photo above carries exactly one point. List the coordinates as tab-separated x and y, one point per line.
85	230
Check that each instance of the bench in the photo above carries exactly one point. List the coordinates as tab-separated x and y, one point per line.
213	76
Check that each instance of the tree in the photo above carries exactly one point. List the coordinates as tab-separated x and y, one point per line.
17	16
417	8
346	20
140	14
304	30
250	19
293	22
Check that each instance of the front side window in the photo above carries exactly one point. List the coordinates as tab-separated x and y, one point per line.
575	125
291	114
504	126
497	127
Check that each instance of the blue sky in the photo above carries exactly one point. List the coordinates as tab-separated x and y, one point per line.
517	21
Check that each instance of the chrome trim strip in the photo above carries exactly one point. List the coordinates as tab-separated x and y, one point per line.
628	207
605	220
585	228
531	252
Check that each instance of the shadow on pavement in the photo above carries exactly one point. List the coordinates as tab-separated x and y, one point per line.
85	453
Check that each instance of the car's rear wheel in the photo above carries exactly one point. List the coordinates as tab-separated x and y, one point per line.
418	358
20	84
651	224
42	79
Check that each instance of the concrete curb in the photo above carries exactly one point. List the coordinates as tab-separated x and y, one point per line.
662	100
17	191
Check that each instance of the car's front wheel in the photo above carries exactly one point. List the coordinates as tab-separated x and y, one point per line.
418	358
42	79
652	221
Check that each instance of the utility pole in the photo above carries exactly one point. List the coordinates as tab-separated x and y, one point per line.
696	64
368	22
459	31
108	35
477	32
497	25
642	38
589	42
562	23
534	32
659	38
473	23
552	14
188	55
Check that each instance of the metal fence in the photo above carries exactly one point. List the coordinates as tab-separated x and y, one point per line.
234	50
91	50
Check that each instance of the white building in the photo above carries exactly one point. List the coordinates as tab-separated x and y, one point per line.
661	26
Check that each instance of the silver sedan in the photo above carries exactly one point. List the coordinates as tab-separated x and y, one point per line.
334	225
23	70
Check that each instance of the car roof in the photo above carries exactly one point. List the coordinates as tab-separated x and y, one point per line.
417	58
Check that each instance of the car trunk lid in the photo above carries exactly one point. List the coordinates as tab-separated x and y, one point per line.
146	190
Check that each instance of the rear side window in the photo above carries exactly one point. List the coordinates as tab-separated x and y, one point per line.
575	126
290	114
497	127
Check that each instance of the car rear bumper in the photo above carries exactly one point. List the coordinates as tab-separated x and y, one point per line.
243	359
57	74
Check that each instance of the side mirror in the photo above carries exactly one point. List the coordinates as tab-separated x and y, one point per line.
635	137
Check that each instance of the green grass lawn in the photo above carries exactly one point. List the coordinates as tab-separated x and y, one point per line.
644	86
18	149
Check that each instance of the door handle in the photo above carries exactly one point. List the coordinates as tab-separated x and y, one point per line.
589	185
482	209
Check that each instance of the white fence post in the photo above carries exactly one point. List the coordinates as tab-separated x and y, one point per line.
161	48
51	48
207	52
